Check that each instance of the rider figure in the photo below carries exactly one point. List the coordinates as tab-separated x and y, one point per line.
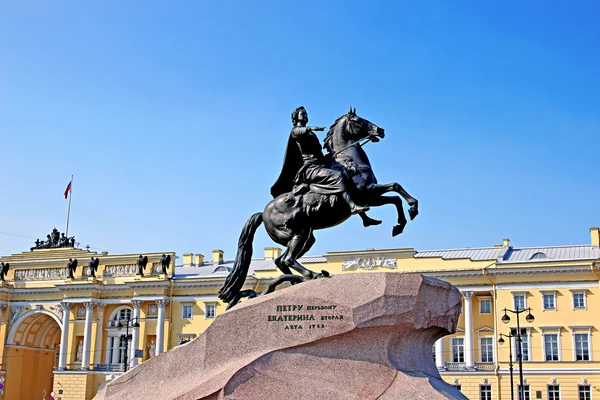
305	164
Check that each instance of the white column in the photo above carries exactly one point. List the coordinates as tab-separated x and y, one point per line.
87	334
160	328
440	361
135	336
64	337
99	331
468	309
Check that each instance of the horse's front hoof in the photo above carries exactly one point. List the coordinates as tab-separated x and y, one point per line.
413	212
398	229
323	274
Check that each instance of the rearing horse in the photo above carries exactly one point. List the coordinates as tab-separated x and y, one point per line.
291	219
342	141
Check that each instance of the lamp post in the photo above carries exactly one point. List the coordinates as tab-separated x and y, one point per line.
510	362
134	325
529	318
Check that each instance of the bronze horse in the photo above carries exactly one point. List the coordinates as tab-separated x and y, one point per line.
290	220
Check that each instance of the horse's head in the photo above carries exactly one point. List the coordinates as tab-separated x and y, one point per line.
360	128
351	128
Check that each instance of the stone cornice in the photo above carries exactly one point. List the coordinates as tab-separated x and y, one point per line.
502	271
166	284
79	287
33	290
401	253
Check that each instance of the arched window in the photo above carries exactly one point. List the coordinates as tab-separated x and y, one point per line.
116	341
123	315
538	256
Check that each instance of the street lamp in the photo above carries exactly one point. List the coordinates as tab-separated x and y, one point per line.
529	318
127	336
510	362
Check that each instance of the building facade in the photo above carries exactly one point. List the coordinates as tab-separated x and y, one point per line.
64	337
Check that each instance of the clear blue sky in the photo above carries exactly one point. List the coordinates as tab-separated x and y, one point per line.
173	117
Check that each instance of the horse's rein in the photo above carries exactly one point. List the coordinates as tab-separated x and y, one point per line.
358	142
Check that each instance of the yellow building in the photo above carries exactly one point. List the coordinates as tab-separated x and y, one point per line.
67	337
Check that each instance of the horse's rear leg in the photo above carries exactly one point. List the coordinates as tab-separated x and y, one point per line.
297	247
282	265
281	260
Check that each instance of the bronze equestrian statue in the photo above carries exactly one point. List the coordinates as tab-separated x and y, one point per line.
316	191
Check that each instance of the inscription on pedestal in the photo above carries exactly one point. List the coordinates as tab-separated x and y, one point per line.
303	316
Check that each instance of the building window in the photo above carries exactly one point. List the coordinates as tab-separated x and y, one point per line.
485	392
553	392
578	300
186	337
120	316
582	348
116	349
487	349
551	346
519	301
550	301
186	311
485	306
124	315
585	392
525	392
458	350
209	310
524	344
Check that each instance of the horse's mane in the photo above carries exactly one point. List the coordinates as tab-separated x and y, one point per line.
328	138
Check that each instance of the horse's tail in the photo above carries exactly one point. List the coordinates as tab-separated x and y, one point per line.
237	277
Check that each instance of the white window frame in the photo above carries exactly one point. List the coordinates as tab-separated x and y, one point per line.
587	329
551	330
579	390
487	385
185	336
548	391
514	342
481	349
208	304
114	333
549	293
452	348
526	389
191	306
524	294
481	300
579	291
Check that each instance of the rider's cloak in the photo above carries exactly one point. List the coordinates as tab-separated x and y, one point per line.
304	167
292	162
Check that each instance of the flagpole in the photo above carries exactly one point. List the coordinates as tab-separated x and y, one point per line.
69	212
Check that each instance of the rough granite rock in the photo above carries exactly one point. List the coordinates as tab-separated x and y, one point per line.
352	336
